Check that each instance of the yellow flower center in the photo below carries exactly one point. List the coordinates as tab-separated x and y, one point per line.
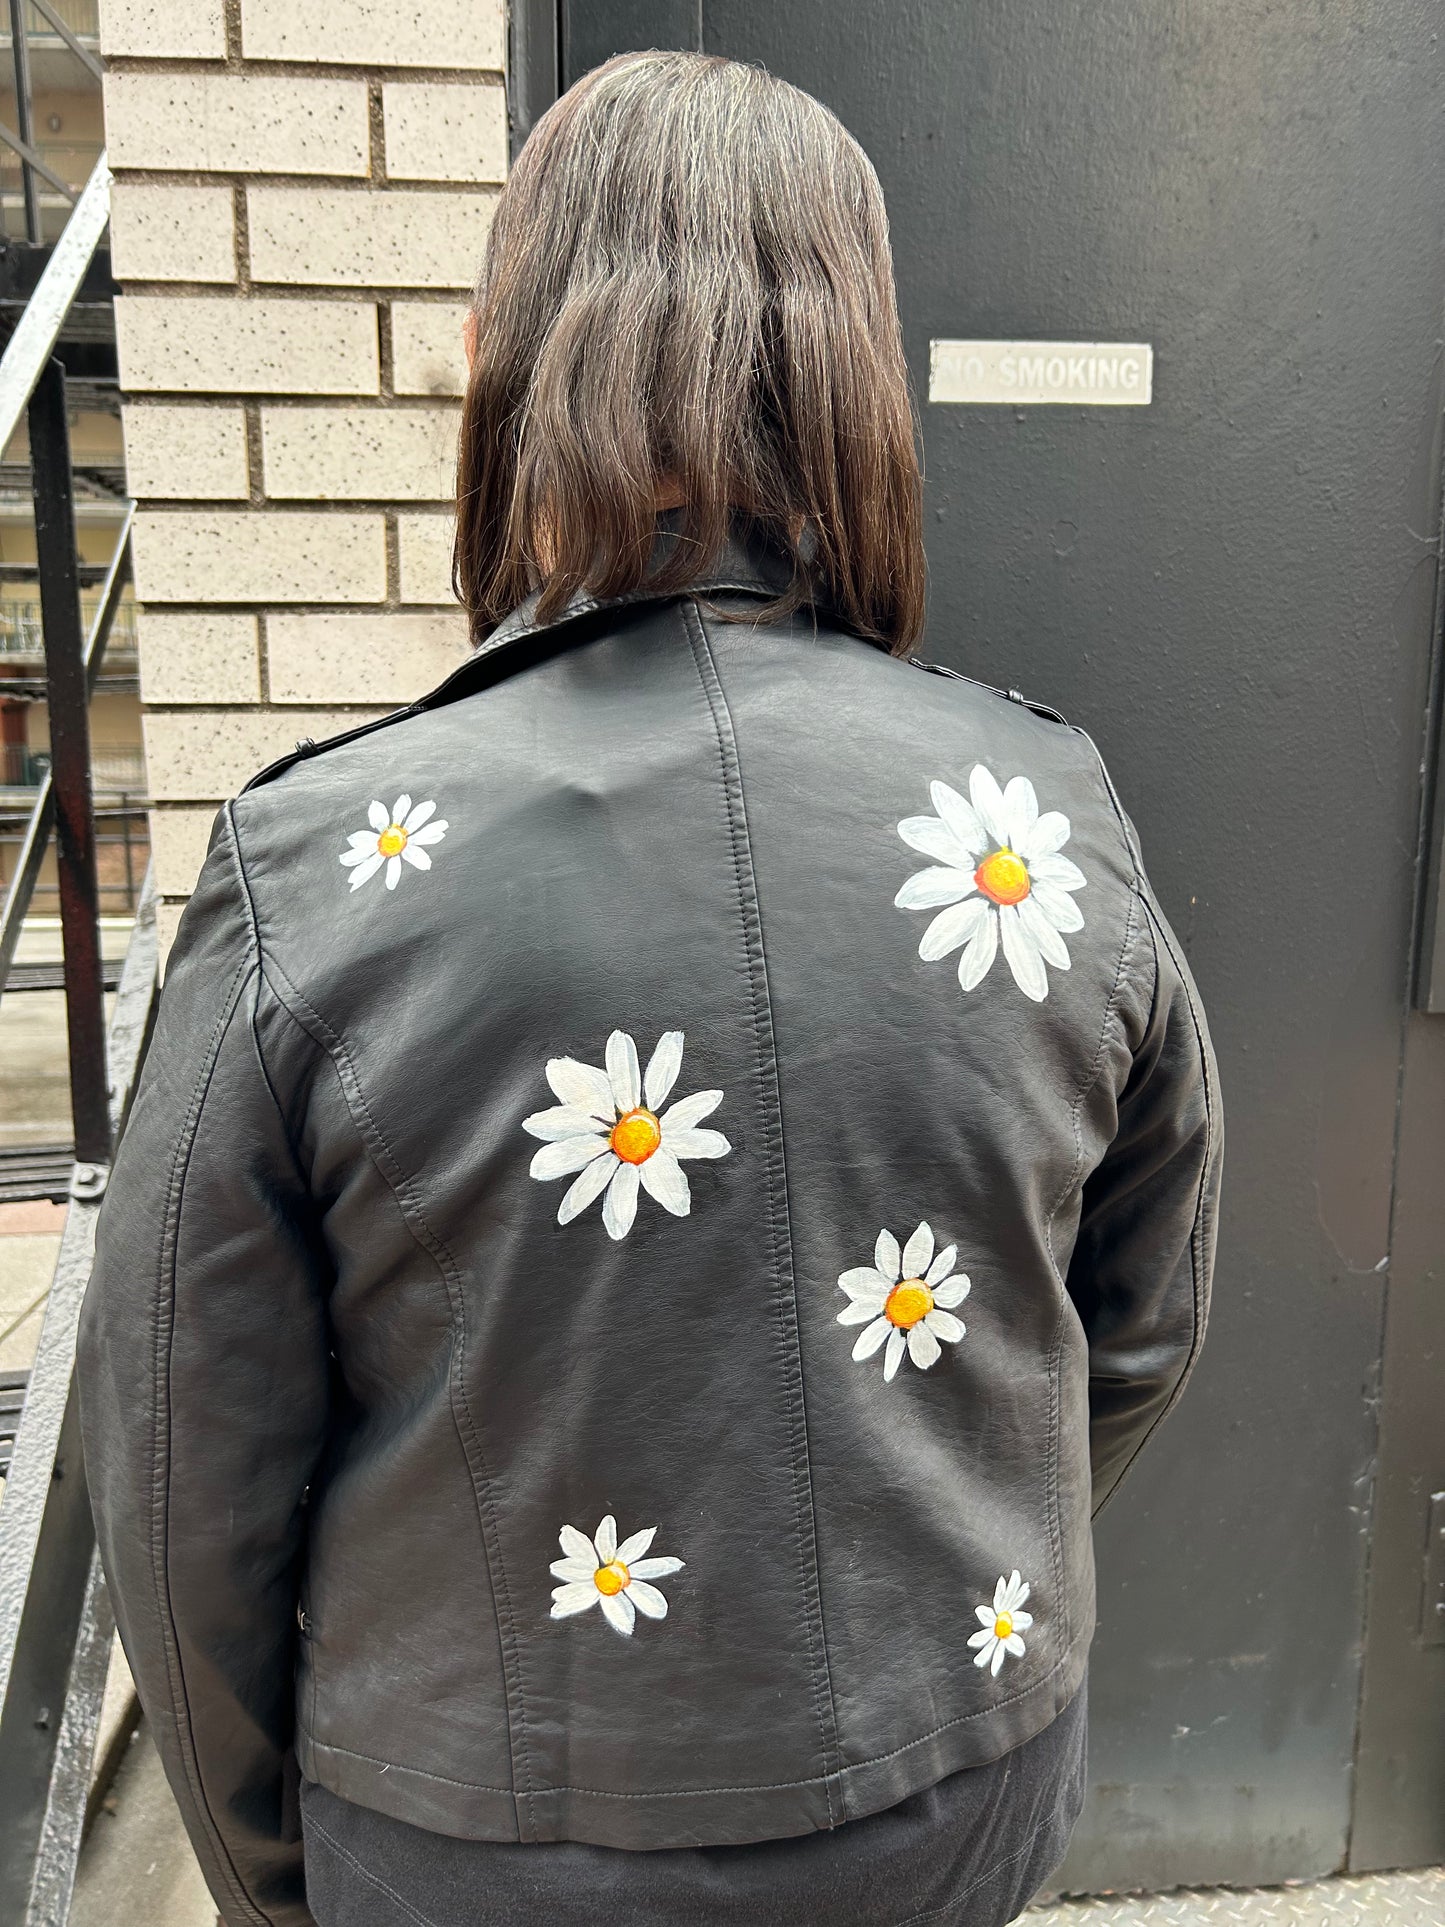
1003	877
612	1579
392	840
636	1136
1003	1625
907	1303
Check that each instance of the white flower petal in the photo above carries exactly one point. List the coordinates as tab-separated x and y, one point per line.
400	808
430	832
1059	871
1022	1620
1018	1592
575	1598
960	818
656	1568
566	1154
414	854
663	1178
987	799
647	1599
573	1569
1049	833
985	1616
918	1253
577	1545
662	1068
367	869
952	927
565	1120
377	817
893	1357
887	1258
605	1539
393	872
694	1144
869	1341
414	819
1023	954
999	1650
986	1651
930	836
618	1611
352	857
860	1311
592	1183
864	1280
1013	1644
362	839
620	1207
944	1325
622	1071
583	1085
926	889
942	1265
1000	1595
982	1639
636	1544
1051	946
1021	810
923	1348
952	1291
689	1111
979	953
1058	906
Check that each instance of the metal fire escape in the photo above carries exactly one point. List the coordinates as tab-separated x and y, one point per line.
56	1626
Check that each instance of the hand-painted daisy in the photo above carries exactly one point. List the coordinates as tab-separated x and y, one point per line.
907	1298
599	1572
1001	1624
607	1127
999	872
396	836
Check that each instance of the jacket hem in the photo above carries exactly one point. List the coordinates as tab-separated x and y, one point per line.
702	1816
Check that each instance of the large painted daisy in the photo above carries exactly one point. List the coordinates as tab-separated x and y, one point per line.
1000	878
600	1572
397	835
1001	1624
905	1299
609	1126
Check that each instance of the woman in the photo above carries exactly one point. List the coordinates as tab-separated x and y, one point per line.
619	1295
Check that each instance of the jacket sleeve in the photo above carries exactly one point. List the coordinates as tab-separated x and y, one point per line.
1142	1264
203	1383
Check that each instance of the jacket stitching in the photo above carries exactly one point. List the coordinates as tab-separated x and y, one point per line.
374	1880
415	1220
750	916
160	1452
846	1773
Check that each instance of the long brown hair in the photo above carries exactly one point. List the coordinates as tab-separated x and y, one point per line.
688	286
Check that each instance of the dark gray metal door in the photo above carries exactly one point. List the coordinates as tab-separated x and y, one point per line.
1234	590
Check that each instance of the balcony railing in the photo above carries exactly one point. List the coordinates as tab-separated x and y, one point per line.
22	630
82	17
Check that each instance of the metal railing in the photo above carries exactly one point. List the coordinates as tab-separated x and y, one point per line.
22	629
55	1621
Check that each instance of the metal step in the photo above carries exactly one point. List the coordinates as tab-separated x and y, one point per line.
51	976
12	1403
31	1171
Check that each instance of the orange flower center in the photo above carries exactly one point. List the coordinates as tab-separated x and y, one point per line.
907	1303
612	1579
636	1136
392	840
1003	877
1003	1625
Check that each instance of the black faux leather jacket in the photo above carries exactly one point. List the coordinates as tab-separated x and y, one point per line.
668	1173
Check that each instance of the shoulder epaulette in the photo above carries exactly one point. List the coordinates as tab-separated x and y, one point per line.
1009	695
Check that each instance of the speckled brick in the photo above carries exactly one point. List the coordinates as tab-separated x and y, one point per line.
163	29
376	33
425	544
406	453
445	131
179	838
206	755
223	344
427	354
161	232
259	555
237	123
196	656
196	451
369	658
368	238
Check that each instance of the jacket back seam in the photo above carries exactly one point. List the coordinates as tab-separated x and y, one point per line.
397	1181
779	1214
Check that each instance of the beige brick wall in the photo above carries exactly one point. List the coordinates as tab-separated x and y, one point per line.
302	197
